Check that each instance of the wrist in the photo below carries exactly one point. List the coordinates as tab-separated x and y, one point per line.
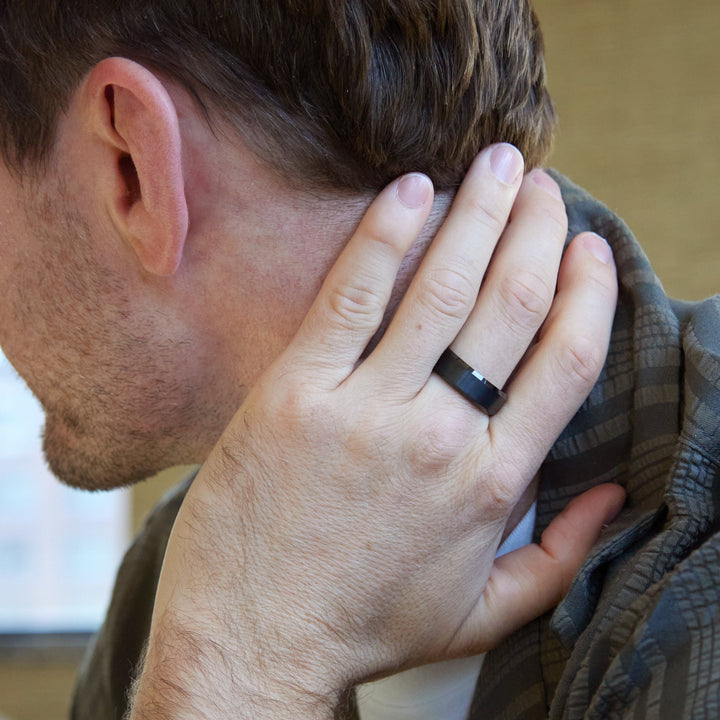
188	673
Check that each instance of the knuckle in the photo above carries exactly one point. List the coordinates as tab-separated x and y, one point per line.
525	298
580	361
497	498
435	445
379	234
288	404
300	406
496	491
493	219
564	564
449	292
355	306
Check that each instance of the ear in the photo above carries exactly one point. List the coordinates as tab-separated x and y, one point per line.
133	114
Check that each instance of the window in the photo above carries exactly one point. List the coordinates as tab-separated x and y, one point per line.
59	547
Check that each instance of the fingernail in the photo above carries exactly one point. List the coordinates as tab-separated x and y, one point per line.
541	178
598	247
507	163
413	190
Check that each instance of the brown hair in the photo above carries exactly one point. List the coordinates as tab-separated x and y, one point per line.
342	93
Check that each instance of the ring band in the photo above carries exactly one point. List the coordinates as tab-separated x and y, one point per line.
469	383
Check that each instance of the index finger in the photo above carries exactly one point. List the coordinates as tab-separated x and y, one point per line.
445	288
351	303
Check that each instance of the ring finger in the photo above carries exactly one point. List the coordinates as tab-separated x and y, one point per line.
519	286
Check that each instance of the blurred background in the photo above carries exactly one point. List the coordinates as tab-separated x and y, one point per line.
635	85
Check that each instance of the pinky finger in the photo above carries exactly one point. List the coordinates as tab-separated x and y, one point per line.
563	367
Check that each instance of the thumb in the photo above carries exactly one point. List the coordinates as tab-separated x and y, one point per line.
531	580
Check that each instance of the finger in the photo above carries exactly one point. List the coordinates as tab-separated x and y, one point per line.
530	581
560	372
352	300
519	287
445	288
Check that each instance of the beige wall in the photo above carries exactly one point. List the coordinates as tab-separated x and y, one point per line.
636	86
635	83
32	690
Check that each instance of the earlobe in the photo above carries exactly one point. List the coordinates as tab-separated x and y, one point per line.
133	115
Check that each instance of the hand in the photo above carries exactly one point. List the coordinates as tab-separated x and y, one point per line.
345	526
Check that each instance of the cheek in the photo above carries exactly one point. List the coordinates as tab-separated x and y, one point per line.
17	284
25	338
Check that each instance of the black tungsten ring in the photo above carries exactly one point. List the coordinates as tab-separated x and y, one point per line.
469	383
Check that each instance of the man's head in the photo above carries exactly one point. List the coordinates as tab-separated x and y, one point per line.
350	93
180	176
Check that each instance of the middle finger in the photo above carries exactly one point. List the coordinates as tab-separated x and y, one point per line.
519	286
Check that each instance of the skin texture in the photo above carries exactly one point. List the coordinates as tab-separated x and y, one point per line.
159	277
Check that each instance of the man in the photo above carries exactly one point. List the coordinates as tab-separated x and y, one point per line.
179	182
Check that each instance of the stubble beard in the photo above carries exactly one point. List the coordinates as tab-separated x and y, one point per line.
117	409
87	462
